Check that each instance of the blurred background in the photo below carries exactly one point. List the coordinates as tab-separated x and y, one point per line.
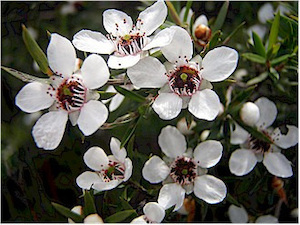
32	178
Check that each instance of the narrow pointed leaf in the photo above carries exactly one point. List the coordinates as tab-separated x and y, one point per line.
174	15
221	17
67	212
35	51
258	45
106	95
24	77
127	136
215	39
120	216
233	33
280	59
89	204
254	58
232	200
187	8
130	94
257	79
274	31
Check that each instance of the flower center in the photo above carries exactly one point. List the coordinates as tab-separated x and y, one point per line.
71	94
183	170
185	81
115	171
259	146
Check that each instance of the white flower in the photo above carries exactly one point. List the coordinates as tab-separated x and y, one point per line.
69	95
109	171
153	213
185	170
249	113
184	82
92	218
200	30
243	160
128	42
239	215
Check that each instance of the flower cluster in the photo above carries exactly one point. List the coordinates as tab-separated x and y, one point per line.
176	83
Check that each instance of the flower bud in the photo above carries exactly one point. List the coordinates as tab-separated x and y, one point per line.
204	135
93	218
203	34
183	127
249	113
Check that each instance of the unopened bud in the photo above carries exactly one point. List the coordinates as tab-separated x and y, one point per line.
250	113
203	34
93	218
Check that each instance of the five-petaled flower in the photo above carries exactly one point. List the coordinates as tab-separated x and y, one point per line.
253	150
127	41
153	213
184	171
109	171
184	82
68	93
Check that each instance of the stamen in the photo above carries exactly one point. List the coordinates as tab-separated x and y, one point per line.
183	170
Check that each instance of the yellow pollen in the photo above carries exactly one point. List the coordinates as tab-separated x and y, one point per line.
183	76
126	37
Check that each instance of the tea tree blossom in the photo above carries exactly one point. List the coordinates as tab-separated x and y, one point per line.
254	150
153	213
184	82
109	171
128	42
92	218
239	215
67	94
184	171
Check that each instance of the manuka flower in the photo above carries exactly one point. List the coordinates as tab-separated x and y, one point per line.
184	171
153	213
109	171
68	93
128	42
254	150
184	81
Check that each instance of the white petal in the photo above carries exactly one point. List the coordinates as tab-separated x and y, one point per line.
288	140
205	105
115	102
122	62
154	212
93	218
61	55
92	115
210	189
161	39
172	142
92	41
33	97
237	214
238	135
155	170
266	12
73	117
104	186
201	20
189	188
250	113
267	112
113	22
208	153
219	63
119	154
95	158
167	105
171	194
277	164
49	129
87	179
242	161
152	17
128	169
139	220
181	45
266	219
95	72
149	72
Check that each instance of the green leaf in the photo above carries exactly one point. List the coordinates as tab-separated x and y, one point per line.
120	216
215	39
67	213
239	100
254	58
187	8
221	16
257	79
274	75
233	33
232	200
25	77
274	31
35	51
89	204
258	45
106	95
173	13
128	134
130	94
280	59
